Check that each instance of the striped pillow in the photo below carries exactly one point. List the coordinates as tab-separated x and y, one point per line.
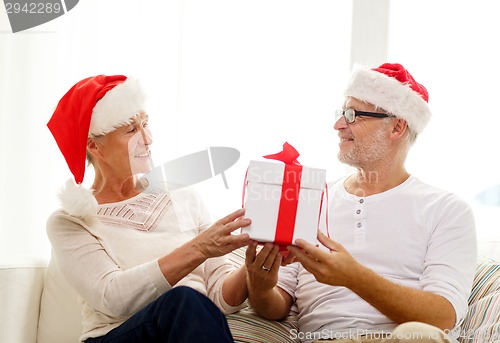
247	327
237	256
482	322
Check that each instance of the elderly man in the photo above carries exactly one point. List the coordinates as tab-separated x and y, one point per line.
400	264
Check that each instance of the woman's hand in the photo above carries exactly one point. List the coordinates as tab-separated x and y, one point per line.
218	240
287	257
267	299
262	267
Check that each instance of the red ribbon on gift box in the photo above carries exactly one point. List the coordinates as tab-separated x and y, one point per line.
290	190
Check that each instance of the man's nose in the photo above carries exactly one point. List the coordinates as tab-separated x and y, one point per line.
341	123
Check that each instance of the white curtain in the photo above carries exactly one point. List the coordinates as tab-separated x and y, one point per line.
249	75
244	74
452	46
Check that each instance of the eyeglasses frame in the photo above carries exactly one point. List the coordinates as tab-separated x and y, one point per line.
357	113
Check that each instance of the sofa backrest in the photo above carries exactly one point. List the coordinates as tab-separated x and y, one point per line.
21	283
60	317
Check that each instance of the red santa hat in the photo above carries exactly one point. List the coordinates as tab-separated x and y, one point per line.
392	88
93	106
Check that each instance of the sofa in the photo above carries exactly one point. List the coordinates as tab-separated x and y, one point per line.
38	306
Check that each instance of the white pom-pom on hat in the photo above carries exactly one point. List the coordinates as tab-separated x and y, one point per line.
77	200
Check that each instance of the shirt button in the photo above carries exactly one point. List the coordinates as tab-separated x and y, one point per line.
358	211
361	201
359	225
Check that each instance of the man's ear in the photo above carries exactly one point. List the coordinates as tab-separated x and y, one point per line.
399	128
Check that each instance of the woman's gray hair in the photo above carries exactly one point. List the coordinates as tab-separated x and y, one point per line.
89	157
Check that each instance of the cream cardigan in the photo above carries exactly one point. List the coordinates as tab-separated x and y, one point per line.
111	259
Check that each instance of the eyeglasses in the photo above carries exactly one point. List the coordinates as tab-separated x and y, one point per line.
350	115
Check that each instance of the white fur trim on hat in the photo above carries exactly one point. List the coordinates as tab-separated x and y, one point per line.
78	201
117	107
391	95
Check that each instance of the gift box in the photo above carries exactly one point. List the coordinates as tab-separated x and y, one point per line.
283	199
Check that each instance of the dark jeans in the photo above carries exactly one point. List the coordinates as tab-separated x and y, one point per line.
180	315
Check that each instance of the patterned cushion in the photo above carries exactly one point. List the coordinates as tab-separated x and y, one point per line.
237	256
482	322
247	327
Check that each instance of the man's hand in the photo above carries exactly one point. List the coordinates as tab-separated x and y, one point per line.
336	268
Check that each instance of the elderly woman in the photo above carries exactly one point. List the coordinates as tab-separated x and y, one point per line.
130	247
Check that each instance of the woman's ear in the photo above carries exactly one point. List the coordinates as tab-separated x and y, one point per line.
92	147
399	128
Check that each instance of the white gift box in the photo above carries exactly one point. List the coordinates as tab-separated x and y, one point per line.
263	196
